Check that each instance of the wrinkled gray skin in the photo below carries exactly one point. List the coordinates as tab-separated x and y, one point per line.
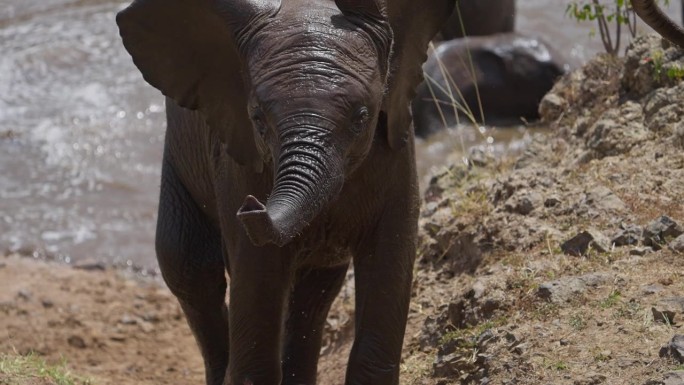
479	18
513	73
649	12
289	152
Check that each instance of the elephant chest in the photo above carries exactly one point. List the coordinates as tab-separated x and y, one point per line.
330	240
321	254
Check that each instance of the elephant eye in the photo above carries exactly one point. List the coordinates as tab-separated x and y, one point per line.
360	119
259	124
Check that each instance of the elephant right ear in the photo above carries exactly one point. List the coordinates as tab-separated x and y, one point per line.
413	23
187	49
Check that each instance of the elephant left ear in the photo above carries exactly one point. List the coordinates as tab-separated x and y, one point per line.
414	23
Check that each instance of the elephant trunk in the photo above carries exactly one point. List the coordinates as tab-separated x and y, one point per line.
652	15
306	180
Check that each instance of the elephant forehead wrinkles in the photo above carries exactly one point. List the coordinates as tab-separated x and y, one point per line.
315	90
318	125
318	49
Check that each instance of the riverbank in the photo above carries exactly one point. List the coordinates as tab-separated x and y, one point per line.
561	266
564	266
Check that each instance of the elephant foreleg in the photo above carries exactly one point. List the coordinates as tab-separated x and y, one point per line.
383	270
313	294
191	261
260	281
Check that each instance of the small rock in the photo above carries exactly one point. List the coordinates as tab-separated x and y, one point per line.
487	337
429	209
677	244
674	349
657	232
679	134
675	304
667	308
90	265
151	317
146	327
652	289
591	379
603	199
47	303
641	251
127	319
664	316
478	290
564	289
24	294
523	203
520	349
118	337
623	363
552	201
552	107
449	365
674	378
445	180
617	130
77	342
580	243
480	157
627	235
564	342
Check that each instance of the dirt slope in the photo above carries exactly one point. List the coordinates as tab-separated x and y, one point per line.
564	266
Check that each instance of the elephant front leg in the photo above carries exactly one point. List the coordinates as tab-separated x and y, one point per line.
260	281
384	272
313	294
189	251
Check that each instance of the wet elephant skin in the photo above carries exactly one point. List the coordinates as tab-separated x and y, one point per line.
288	154
509	76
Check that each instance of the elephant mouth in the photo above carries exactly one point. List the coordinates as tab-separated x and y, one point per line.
280	220
259	225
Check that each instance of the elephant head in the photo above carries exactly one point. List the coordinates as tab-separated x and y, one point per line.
310	85
649	12
315	98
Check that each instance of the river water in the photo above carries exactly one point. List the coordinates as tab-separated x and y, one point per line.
81	133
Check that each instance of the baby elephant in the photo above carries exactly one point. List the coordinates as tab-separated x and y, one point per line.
288	154
510	74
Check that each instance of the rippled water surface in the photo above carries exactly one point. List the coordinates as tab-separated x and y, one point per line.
81	133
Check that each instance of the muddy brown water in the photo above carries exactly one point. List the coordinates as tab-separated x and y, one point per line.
81	133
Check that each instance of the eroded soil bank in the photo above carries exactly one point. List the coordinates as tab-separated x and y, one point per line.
563	266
